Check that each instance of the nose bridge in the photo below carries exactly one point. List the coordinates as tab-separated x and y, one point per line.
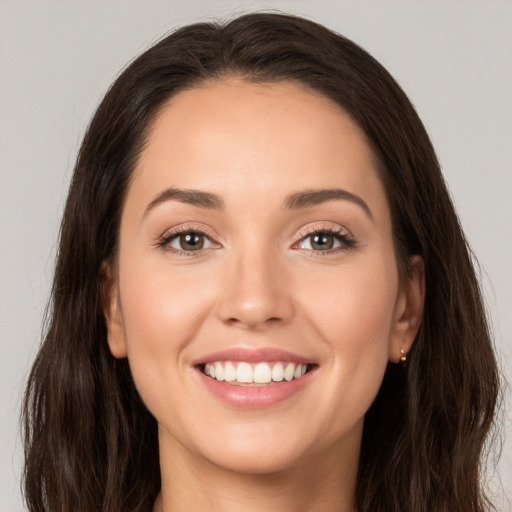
256	292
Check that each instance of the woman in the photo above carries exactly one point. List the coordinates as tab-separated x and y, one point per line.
263	298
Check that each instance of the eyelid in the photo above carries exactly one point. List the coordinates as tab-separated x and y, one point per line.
347	239
164	239
324	227
345	236
185	227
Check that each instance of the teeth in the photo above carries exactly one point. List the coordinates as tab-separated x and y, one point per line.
261	373
244	373
229	372
289	371
219	371
278	372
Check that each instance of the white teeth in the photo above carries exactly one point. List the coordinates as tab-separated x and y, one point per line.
261	373
229	372
289	371
219	371
244	373
278	372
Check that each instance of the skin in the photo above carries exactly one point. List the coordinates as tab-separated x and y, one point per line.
259	283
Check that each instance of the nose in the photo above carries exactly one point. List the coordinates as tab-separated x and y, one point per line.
257	293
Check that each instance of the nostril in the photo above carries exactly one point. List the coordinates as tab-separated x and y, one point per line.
254	301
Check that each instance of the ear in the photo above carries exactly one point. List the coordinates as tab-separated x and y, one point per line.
112	311
408	309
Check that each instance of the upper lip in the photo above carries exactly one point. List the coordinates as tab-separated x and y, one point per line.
252	355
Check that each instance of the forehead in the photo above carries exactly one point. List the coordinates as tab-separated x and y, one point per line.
233	136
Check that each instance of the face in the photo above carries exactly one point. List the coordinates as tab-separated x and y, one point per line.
256	293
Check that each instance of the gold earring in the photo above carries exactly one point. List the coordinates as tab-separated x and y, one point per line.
403	357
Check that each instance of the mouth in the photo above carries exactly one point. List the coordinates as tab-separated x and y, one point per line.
254	378
264	373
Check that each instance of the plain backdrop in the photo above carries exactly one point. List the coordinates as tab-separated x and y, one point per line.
57	58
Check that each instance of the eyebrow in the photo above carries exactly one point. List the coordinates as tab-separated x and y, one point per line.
309	198
304	199
193	197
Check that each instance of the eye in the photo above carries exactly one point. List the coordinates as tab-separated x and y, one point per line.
326	241
187	241
320	242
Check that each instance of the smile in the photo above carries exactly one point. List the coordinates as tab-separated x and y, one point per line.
245	373
250	378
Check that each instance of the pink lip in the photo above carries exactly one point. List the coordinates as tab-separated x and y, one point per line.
254	397
270	355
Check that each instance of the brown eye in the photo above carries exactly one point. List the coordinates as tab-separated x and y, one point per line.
323	241
190	241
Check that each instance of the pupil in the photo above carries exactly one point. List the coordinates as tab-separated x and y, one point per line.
322	242
191	241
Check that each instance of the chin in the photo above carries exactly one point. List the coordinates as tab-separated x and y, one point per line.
251	462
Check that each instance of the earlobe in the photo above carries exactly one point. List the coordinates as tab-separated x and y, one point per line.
409	311
112	312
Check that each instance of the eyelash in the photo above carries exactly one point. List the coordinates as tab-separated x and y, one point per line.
168	237
346	240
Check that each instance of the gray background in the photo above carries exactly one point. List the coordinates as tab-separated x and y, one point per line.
453	58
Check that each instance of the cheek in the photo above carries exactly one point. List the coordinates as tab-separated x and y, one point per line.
161	309
162	312
352	302
353	318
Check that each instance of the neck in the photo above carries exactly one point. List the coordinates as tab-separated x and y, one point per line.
325	483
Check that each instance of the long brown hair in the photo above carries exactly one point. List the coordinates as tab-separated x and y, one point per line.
90	443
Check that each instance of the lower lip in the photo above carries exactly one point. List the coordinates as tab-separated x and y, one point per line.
254	397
